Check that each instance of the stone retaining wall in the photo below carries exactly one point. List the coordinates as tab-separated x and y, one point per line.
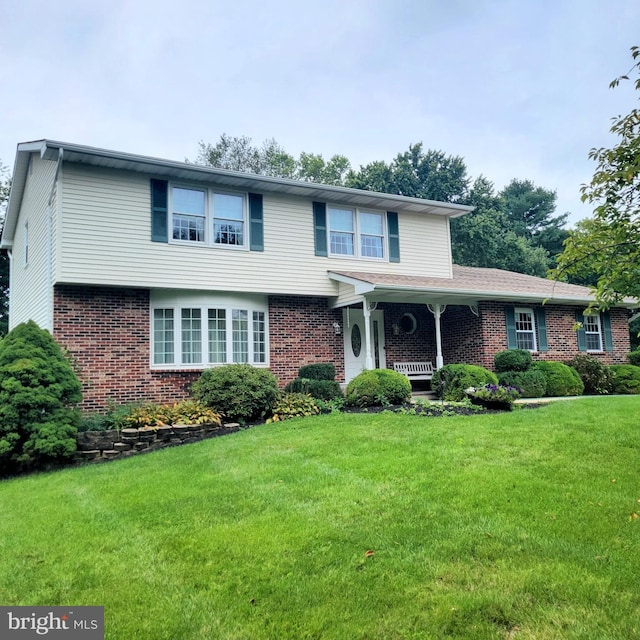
94	446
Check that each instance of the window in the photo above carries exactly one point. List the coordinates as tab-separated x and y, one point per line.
593	335
208	334
525	329
208	217
356	233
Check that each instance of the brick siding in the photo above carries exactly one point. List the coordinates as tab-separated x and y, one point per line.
106	330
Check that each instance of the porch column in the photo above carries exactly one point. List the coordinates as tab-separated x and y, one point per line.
368	358
438	310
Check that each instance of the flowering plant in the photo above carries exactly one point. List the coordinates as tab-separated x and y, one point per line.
494	393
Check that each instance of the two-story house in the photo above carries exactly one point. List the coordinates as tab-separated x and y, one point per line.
147	271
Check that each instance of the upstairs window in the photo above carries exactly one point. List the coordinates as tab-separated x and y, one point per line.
208	217
360	234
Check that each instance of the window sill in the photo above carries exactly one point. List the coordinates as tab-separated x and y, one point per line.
185	368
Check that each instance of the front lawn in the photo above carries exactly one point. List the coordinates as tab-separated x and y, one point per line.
514	525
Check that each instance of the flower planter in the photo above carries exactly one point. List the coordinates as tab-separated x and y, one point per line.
492	405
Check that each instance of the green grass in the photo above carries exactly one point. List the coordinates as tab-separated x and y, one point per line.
515	525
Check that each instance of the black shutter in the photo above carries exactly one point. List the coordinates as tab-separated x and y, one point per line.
606	331
159	224
541	326
510	319
320	228
256	224
394	236
582	336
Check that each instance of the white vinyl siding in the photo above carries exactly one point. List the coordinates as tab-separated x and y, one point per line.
31	284
106	230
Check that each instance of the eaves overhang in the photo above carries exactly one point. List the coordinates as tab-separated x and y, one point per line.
448	293
170	169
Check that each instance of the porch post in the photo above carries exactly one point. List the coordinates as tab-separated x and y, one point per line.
438	310
368	359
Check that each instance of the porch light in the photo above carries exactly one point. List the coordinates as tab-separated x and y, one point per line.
336	328
396	329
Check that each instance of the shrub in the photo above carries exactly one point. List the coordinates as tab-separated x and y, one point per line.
562	380
634	357
625	379
532	383
320	389
318	371
294	405
512	360
449	382
38	389
595	376
378	387
239	391
494	395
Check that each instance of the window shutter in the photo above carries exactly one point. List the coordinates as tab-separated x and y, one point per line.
256	224
582	337
159	226
510	318
541	326
606	331
320	227
394	236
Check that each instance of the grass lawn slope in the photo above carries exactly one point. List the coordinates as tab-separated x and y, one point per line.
513	525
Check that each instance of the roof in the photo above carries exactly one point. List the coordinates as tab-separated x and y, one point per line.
170	169
468	286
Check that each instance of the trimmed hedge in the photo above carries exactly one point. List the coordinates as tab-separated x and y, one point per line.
634	358
239	391
532	383
562	380
376	387
449	382
318	371
512	360
317	388
625	379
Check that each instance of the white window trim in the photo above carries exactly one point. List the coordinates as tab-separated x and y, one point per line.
228	304
357	233
528	310
209	217
591	333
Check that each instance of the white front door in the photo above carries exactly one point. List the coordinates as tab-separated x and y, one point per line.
355	350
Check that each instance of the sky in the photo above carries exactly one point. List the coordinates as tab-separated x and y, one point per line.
518	88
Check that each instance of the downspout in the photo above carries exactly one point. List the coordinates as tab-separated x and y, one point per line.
54	184
10	254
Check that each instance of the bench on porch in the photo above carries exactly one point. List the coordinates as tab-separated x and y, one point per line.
415	370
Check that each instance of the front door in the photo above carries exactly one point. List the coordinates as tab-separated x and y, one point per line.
355	351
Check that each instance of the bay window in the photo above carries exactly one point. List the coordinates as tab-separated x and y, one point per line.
195	331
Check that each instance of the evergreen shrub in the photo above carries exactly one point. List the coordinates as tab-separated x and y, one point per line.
625	378
238	391
634	357
512	360
595	375
450	381
377	387
532	383
38	391
562	380
318	371
316	388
